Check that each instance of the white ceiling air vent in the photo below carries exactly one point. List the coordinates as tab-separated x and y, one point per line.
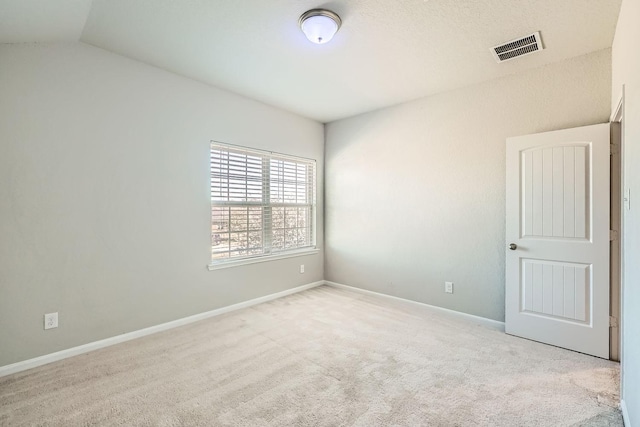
519	47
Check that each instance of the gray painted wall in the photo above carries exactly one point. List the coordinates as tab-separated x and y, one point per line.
626	71
415	194
104	197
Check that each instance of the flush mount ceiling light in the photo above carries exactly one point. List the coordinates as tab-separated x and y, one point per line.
319	25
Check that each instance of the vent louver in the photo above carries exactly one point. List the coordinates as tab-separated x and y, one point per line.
518	47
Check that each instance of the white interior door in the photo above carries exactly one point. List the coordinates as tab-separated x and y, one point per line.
557	230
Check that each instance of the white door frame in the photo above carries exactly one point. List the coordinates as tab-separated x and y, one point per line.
618	117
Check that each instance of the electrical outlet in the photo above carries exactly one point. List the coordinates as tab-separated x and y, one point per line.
301	268
448	287
51	320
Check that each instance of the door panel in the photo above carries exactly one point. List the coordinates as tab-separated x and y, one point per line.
555	191
555	289
557	275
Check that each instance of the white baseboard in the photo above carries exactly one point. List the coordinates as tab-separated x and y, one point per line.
494	324
85	348
625	413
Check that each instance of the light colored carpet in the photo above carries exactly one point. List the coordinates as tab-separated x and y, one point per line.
323	357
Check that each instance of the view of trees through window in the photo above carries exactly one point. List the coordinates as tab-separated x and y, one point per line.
261	203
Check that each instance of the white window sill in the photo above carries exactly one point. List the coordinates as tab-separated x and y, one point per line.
246	261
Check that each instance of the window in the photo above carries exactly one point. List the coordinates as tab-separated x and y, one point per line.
262	204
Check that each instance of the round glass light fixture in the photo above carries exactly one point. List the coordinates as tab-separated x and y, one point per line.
319	25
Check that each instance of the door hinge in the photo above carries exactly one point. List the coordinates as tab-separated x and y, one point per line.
613	235
613	149
613	322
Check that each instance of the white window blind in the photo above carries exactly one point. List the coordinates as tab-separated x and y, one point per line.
262	203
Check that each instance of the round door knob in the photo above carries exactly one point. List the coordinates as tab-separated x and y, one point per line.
513	246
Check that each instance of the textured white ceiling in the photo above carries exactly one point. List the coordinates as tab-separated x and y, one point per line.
23	21
387	51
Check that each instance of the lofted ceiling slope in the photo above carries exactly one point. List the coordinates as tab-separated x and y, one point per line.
387	51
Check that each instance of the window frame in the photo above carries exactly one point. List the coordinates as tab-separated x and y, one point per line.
266	206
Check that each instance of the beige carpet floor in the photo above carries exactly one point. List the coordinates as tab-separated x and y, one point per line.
323	357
